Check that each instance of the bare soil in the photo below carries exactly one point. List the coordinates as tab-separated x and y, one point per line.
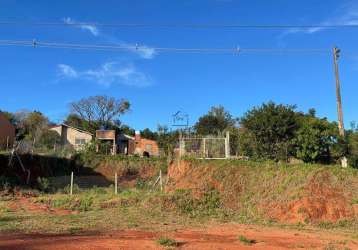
323	197
215	237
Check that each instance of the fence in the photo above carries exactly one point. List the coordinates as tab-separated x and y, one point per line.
74	184
205	147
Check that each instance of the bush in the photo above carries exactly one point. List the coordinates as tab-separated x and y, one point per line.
272	127
43	184
315	139
164	241
75	189
49	138
209	204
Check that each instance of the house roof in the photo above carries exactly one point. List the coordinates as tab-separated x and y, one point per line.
80	130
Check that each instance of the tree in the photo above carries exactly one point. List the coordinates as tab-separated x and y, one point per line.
10	116
49	138
99	111
271	128
30	125
167	140
216	121
352	138
148	134
316	139
125	129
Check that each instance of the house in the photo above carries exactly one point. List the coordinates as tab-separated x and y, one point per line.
7	132
72	136
145	147
107	137
128	145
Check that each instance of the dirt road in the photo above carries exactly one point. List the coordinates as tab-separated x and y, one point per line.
218	237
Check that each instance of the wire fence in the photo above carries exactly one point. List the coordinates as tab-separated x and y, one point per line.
74	184
210	147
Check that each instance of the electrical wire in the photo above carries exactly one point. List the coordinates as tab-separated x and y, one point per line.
58	45
195	26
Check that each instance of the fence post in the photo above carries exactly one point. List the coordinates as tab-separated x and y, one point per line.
227	145
161	181
7	143
115	183
71	187
180	144
204	147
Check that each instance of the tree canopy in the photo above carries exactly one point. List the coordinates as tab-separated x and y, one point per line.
98	111
216	121
271	127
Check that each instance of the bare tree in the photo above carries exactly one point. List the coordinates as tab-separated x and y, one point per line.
99	111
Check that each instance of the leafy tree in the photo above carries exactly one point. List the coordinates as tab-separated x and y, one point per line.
272	128
148	134
315	140
125	129
100	111
352	138
30	125
49	138
216	121
10	116
167	140
76	121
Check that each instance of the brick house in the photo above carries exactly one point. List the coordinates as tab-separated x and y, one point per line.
145	147
128	145
72	136
7	132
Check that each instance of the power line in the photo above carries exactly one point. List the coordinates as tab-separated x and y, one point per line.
176	25
103	47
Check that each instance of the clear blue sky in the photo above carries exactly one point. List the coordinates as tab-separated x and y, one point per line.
159	84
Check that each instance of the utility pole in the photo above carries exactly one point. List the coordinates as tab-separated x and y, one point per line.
336	53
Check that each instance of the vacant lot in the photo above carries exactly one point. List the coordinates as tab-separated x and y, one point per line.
205	205
138	219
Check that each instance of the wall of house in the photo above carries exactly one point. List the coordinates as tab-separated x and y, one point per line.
145	145
7	132
73	134
69	135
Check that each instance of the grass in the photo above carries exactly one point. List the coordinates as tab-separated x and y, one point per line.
167	242
247	184
246	241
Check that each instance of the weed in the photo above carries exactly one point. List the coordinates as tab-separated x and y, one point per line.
167	242
325	225
246	241
43	184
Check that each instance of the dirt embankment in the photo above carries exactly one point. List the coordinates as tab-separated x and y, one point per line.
300	194
129	172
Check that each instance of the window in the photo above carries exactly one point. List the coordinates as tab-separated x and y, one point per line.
80	141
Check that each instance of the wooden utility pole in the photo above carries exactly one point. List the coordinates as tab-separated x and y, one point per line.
336	53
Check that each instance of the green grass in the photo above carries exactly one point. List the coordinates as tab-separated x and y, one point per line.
167	242
246	241
243	187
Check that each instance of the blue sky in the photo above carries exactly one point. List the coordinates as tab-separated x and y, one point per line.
159	84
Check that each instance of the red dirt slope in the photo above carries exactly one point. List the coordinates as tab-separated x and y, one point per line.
321	197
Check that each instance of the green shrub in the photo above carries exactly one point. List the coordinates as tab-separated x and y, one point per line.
43	184
168	242
75	189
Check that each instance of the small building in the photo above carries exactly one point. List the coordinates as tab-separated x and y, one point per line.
7	132
72	136
145	147
106	136
128	145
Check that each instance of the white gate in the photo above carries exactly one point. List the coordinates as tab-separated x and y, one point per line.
209	147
